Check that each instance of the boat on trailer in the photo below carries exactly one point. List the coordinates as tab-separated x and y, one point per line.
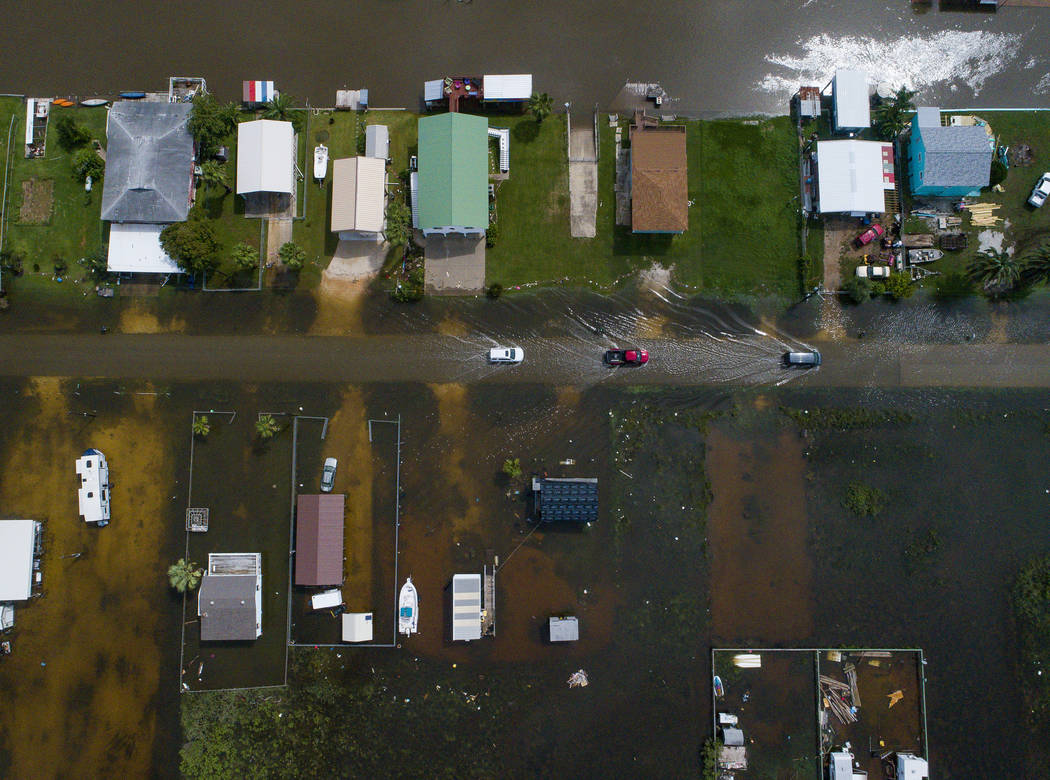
408	609
918	256
320	161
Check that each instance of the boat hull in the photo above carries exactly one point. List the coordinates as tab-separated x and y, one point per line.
408	609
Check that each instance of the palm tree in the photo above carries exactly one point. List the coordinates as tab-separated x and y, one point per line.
890	115
997	272
201	426
1037	265
279	107
266	426
213	174
540	106
245	257
184	575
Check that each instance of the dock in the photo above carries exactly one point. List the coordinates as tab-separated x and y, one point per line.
488	592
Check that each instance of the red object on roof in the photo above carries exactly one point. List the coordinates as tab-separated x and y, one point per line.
319	539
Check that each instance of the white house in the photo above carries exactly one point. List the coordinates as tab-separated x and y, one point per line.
17	549
853	176
265	157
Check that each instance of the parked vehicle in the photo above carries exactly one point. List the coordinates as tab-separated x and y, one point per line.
626	357
869	235
873	272
807	359
1041	191
328	475
506	355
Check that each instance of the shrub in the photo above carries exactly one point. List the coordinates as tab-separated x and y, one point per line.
70	135
512	468
245	257
857	290
86	162
193	245
863	500
495	290
899	286
997	174
292	255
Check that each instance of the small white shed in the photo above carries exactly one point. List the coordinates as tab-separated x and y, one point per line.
377	141
466	607
851	104
357	627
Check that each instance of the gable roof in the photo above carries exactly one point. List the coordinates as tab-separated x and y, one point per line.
850	177
319	539
265	156
226	604
453	171
956	156
358	188
149	163
659	181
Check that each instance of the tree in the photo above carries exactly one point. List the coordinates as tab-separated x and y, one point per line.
890	116
184	575
1037	265
213	174
97	262
998	273
512	468
540	106
398	223
86	162
857	290
201	426
899	286
193	245
245	257
266	426
292	255
211	123
70	135
279	107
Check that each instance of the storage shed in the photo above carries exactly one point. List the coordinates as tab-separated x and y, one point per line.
850	102
357	627
229	601
257	93
506	88
564	629
466	607
319	539
265	157
572	500
17	549
377	141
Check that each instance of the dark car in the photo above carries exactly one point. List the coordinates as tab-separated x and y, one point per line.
626	357
808	359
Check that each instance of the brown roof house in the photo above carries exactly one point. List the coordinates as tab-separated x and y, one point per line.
659	180
319	539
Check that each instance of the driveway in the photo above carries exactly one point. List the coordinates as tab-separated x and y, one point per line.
455	264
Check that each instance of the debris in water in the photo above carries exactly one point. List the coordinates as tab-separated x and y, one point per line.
578	679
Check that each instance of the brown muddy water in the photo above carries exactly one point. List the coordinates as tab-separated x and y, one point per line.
711	56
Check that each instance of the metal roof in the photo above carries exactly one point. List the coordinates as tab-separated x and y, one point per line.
507	87
453	172
573	500
564	629
359	194
226	604
377	141
851	100
135	248
659	181
928	116
17	540
956	156
265	156
149	163
357	627
850	177
433	90
466	607
319	539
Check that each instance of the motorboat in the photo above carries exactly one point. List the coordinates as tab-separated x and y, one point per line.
320	161
408	609
720	690
919	256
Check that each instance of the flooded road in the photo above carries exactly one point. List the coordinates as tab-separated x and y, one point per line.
712	56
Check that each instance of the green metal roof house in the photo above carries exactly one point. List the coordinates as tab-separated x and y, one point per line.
453	174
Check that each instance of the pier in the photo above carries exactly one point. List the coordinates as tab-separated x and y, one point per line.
488	592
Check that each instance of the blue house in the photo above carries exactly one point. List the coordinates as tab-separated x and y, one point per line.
947	161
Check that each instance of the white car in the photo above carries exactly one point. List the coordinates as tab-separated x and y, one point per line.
328	475
873	271
1040	192
506	355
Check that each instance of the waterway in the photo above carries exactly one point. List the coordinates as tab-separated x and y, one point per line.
712	56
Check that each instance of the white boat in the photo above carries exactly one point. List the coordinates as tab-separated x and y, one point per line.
917	256
408	609
320	161
90	102
93	494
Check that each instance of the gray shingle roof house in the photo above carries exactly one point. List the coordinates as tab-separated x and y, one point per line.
149	163
227	607
948	161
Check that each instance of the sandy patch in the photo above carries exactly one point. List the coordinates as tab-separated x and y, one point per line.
451	325
459	466
655	277
87	660
992	239
338	306
136	317
761	575
355	260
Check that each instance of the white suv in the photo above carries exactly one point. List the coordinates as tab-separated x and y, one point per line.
506	355
1040	191
873	271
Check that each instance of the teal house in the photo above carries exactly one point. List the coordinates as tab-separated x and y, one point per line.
453	176
949	162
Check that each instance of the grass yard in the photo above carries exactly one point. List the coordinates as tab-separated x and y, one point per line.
69	227
742	240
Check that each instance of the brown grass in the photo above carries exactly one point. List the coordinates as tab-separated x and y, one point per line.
36	202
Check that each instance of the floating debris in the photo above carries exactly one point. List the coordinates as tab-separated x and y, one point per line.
578	679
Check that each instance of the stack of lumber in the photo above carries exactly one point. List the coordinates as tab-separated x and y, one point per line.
981	214
835	694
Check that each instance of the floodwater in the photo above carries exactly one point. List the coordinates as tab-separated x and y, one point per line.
712	56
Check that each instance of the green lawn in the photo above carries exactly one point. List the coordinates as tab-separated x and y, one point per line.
72	228
743	236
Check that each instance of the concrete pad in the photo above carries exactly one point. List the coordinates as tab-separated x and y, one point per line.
454	264
355	260
581	143
583	199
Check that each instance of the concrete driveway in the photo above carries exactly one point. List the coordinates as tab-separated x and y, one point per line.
455	264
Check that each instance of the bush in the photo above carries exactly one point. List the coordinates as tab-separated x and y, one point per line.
292	255
997	174
211	123
857	290
512	468
70	135
863	500
398	222
899	286
495	290
245	257
193	245
86	162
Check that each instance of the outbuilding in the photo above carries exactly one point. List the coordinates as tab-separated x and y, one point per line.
18	544
357	627
466	607
257	93
229	601
516	88
319	539
850	101
377	141
265	157
564	629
